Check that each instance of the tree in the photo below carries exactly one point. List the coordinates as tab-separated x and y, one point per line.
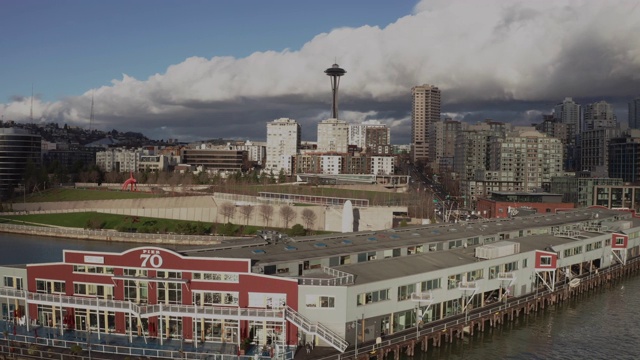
309	218
297	230
246	211
266	211
227	210
282	177
287	214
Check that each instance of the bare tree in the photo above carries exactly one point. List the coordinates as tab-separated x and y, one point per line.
309	217
227	210
246	211
287	214
266	211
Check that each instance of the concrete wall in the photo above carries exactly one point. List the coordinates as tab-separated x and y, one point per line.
206	209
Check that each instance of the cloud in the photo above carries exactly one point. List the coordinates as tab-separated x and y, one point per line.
508	59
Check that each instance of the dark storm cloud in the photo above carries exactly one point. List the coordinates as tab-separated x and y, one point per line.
506	60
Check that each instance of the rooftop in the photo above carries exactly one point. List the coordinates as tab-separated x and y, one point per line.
323	246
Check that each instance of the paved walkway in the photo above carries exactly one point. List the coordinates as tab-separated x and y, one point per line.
44	335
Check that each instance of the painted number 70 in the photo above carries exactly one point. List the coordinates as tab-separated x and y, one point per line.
154	260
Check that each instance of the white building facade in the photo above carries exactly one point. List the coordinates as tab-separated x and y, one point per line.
333	136
283	142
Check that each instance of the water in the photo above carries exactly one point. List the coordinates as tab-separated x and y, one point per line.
602	325
23	249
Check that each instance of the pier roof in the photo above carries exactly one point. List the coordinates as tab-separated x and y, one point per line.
323	246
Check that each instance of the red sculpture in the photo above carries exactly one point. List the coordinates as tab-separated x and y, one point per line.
131	182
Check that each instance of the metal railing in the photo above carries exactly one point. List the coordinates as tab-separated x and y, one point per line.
339	278
316	328
105	234
412	334
145	310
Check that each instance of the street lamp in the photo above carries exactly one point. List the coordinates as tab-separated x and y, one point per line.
418	319
356	332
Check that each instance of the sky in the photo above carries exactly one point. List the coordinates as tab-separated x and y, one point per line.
196	70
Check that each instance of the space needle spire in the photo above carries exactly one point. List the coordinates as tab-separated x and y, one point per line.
334	72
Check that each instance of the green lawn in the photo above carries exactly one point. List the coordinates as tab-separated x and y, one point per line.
374	197
60	194
132	223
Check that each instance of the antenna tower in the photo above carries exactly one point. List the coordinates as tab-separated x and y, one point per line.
91	116
31	112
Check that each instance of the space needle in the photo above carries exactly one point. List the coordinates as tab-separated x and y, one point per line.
335	71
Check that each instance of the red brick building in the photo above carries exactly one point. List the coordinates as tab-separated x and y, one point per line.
155	292
504	204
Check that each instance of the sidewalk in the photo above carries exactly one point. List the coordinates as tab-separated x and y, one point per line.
48	336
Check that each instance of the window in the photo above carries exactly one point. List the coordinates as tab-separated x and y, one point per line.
619	240
372	297
318	301
597	245
136	291
473	241
101	291
512	266
214	298
135	272
453	281
607	242
169	293
524	263
455	244
589	247
219	277
493	272
545	261
404	292
430	284
169	275
415	249
50	286
475	275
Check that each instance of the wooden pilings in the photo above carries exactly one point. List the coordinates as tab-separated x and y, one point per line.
510	312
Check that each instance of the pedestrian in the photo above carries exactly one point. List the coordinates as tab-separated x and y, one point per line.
308	348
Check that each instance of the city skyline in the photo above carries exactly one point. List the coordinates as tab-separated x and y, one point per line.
510	61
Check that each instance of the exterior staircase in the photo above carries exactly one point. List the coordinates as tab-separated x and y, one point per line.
317	328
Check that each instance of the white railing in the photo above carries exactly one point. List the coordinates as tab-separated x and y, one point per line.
422	297
145	310
316	328
103	234
339	278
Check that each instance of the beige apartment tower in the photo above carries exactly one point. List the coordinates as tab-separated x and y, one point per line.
425	111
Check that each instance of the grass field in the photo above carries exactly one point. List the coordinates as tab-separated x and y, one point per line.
132	224
64	194
374	197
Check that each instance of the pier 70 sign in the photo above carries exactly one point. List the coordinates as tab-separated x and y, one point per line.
151	258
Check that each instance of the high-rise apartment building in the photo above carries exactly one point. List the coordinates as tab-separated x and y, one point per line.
594	150
634	113
568	112
371	136
18	148
283	142
119	160
624	156
333	136
442	141
598	115
425	111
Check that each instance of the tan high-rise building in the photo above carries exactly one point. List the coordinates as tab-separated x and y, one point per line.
425	111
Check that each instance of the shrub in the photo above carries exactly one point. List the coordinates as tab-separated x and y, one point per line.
75	349
95	223
297	230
